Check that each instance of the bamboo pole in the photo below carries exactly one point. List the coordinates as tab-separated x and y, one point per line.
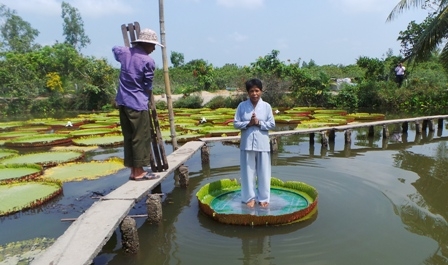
169	100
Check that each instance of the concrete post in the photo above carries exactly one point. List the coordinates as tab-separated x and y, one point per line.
440	124
424	125
324	140
431	126
205	154
418	127
183	176
129	235
385	132
405	127
311	138
274	144
371	131
348	136
154	208
332	135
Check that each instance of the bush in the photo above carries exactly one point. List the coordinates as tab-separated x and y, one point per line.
191	102
161	104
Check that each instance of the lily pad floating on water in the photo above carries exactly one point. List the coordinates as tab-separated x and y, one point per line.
103	141
5	153
361	116
18	196
39	140
15	134
88	132
19	171
23	252
75	148
85	170
46	159
291	202
9	125
33	128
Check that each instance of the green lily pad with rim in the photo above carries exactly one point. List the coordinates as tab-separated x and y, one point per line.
39	140
23	252
221	201
16	134
46	159
103	140
5	153
89	132
79	171
19	171
19	196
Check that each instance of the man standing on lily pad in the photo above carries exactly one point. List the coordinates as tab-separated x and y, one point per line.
134	91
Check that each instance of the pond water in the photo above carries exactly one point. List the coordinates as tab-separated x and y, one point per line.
380	202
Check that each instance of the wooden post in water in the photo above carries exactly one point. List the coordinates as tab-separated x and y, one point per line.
418	127
405	127
431	126
169	100
440	123
323	139
311	139
371	131
424	125
205	154
274	144
348	136
332	135
183	176
154	208
385	132
129	235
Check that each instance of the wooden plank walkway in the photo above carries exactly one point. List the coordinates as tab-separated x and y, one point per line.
325	129
86	236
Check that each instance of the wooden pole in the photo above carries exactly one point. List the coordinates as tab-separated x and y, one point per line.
169	100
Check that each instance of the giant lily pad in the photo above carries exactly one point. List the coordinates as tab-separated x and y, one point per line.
88	132
18	196
39	140
103	141
9	125
5	153
291	201
16	134
33	128
23	252
45	159
19	171
82	171
361	116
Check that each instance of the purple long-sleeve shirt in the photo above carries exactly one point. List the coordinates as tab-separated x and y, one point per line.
136	74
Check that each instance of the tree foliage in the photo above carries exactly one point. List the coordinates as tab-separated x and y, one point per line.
73	27
177	59
17	35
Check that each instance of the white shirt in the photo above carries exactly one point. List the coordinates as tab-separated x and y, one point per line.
254	138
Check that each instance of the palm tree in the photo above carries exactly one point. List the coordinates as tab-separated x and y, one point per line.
434	35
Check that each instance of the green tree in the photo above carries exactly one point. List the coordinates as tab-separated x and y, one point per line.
435	32
177	59
73	27
411	35
17	35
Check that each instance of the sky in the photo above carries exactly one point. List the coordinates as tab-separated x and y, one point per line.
234	31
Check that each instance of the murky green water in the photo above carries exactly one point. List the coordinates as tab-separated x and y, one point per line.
379	203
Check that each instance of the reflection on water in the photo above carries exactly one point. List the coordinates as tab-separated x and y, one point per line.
380	202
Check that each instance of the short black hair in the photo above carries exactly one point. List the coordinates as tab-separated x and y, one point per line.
254	82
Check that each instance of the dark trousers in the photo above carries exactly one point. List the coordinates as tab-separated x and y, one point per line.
399	79
137	137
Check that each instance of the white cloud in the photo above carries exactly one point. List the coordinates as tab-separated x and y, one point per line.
238	37
241	3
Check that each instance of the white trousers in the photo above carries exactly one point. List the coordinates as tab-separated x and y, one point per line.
255	167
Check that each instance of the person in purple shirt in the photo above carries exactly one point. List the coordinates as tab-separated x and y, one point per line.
134	91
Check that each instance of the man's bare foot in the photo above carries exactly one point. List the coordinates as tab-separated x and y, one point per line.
264	204
251	203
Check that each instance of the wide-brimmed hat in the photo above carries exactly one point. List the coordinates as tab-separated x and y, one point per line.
147	36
